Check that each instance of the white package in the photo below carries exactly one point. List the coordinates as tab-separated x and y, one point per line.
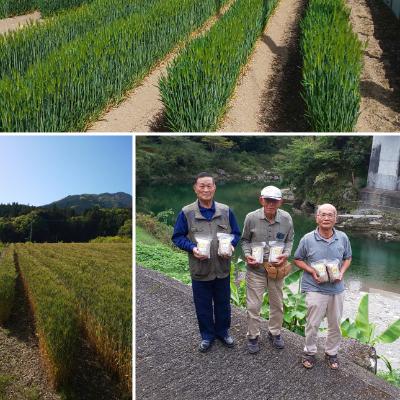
257	251
204	245
320	268
225	244
275	250
333	269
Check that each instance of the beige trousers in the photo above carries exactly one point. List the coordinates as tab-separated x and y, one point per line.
256	286
318	306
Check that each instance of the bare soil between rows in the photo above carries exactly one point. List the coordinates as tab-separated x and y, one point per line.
20	359
14	23
379	29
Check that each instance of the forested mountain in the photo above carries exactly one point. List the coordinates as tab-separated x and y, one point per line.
82	202
77	218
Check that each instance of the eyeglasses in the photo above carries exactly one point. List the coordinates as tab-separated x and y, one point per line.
327	215
274	201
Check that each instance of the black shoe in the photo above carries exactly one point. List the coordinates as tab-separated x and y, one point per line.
227	341
205	345
276	340
253	346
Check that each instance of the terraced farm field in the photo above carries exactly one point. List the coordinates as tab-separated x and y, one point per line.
75	290
209	65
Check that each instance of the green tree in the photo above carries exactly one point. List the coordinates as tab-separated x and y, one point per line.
324	169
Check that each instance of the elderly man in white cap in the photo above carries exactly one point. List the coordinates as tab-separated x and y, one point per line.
273	228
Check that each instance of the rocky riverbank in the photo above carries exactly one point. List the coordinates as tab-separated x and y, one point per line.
380	226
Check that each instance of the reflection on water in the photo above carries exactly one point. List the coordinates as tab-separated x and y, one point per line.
375	264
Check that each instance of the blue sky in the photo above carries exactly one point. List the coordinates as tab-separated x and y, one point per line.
38	170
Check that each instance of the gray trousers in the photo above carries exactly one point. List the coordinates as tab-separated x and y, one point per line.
318	306
256	286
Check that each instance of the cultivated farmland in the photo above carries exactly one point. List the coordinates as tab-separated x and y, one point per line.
95	66
75	290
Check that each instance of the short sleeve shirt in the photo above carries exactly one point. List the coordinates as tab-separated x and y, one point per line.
313	247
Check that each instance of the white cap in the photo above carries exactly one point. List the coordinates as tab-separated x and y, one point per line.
271	192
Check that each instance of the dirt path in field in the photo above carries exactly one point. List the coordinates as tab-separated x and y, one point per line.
267	97
380	82
11	24
142	110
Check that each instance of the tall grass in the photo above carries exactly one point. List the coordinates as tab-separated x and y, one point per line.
76	82
332	63
98	277
23	48
9	8
48	7
201	80
55	315
7	282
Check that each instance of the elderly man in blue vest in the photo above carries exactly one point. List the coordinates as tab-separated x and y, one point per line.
210	273
325	255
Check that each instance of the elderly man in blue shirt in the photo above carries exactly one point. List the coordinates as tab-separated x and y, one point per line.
210	274
317	249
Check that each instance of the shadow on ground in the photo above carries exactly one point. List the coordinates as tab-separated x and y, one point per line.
283	108
387	32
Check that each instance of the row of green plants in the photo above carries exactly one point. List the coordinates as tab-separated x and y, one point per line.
22	48
8	277
55	313
9	8
72	85
98	276
332	63
201	80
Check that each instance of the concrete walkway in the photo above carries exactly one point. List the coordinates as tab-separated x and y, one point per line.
168	365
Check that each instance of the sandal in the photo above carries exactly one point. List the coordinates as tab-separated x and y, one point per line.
308	361
333	361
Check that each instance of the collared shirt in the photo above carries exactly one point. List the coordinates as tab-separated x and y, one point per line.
181	228
257	228
313	247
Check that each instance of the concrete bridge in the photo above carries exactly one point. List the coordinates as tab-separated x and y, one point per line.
169	367
383	189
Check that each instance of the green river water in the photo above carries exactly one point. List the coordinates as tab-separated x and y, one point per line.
375	266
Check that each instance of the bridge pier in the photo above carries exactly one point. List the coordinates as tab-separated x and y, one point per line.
383	188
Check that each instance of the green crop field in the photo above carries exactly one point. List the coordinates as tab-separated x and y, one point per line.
75	288
83	58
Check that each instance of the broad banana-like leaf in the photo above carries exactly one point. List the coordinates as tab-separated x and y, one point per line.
362	320
293	277
390	335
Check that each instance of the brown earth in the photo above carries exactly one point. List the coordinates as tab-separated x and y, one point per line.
380	82
267	98
14	23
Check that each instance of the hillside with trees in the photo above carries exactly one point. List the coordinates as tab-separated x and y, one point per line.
316	168
74	223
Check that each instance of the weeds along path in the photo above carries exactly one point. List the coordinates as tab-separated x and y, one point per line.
260	95
142	109
380	80
14	23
